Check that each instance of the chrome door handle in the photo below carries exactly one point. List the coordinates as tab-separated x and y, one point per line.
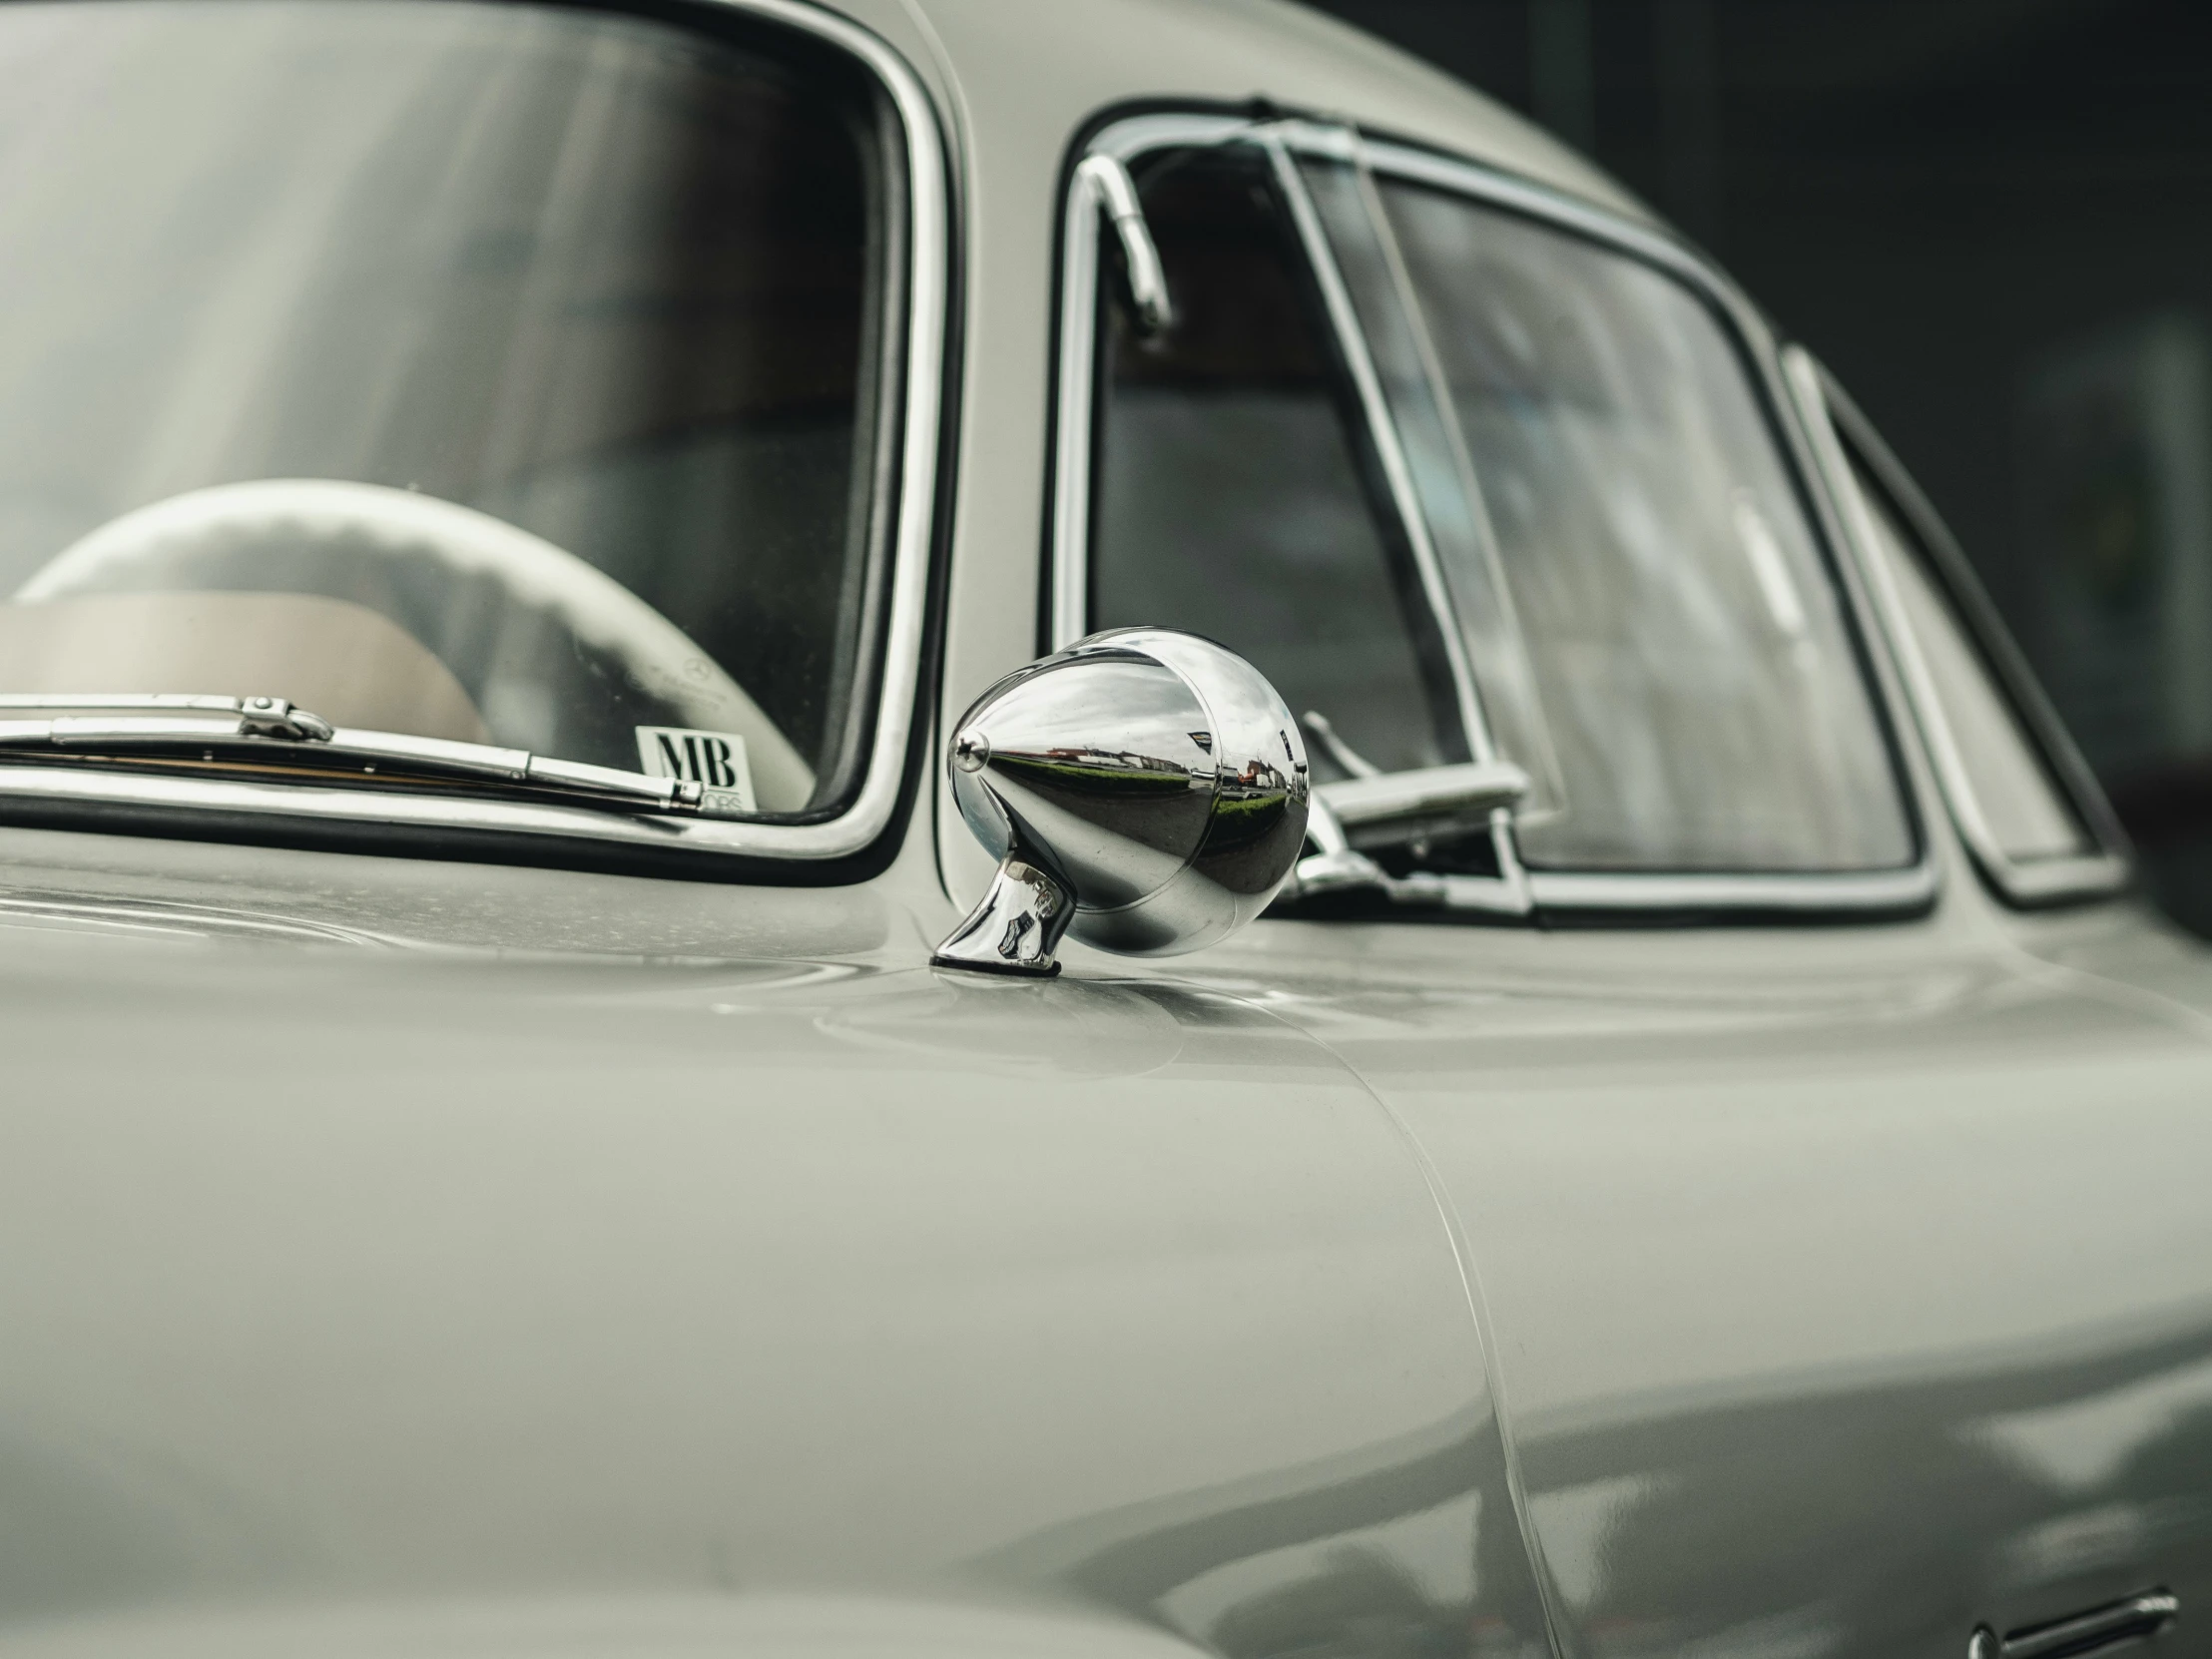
2136	1619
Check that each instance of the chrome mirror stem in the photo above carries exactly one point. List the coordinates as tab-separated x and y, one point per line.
1016	927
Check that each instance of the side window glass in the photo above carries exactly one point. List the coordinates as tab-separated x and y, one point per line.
1696	673
1233	494
2011	796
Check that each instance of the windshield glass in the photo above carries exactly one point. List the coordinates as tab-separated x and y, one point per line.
467	371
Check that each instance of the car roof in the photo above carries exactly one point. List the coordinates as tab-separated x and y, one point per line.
1057	64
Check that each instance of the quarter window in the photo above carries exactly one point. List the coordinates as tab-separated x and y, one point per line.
2020	807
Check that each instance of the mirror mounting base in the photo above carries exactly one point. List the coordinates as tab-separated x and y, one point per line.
1016	927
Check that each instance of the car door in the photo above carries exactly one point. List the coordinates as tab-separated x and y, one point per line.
1844	1270
729	1284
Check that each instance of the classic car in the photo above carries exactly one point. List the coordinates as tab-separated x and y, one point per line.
661	658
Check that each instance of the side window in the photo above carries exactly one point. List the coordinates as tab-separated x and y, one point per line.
1698	677
1233	493
1470	481
2011	806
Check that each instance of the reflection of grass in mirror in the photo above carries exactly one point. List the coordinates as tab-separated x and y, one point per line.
1132	780
1242	820
1268	804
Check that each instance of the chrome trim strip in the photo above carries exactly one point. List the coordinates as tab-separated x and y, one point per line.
413	808
1359	359
2055	880
1148	281
1506	893
2137	1619
1068	603
927	282
1910	888
1814	893
2032	882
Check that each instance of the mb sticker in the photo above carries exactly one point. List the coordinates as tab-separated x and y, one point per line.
712	760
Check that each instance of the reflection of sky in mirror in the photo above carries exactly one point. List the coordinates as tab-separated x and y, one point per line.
1250	723
1106	705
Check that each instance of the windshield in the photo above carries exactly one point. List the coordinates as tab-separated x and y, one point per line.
466	370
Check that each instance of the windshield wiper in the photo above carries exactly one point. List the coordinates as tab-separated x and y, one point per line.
267	735
1390	809
1375	810
1396	807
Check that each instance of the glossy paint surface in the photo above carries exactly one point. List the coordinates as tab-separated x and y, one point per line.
455	1259
1847	1288
1844	1287
418	1271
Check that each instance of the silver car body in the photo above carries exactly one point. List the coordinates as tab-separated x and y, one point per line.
417	1255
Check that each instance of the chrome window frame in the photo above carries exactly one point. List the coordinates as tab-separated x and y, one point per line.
1908	889
1836	422
908	441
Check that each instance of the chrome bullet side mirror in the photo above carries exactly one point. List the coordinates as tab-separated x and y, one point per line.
1143	790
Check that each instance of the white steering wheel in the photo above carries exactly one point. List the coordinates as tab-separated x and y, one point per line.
156	545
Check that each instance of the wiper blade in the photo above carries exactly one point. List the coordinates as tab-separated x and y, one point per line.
267	735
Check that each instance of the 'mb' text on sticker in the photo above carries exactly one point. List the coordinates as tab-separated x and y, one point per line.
715	760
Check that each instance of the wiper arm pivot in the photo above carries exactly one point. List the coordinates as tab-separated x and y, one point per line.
102	713
1370	809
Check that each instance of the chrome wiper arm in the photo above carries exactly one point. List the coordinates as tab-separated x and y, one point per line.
1408	812
1392	808
1374	808
264	732
264	716
1337	866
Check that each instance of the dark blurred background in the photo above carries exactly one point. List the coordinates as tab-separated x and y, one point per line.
1992	219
